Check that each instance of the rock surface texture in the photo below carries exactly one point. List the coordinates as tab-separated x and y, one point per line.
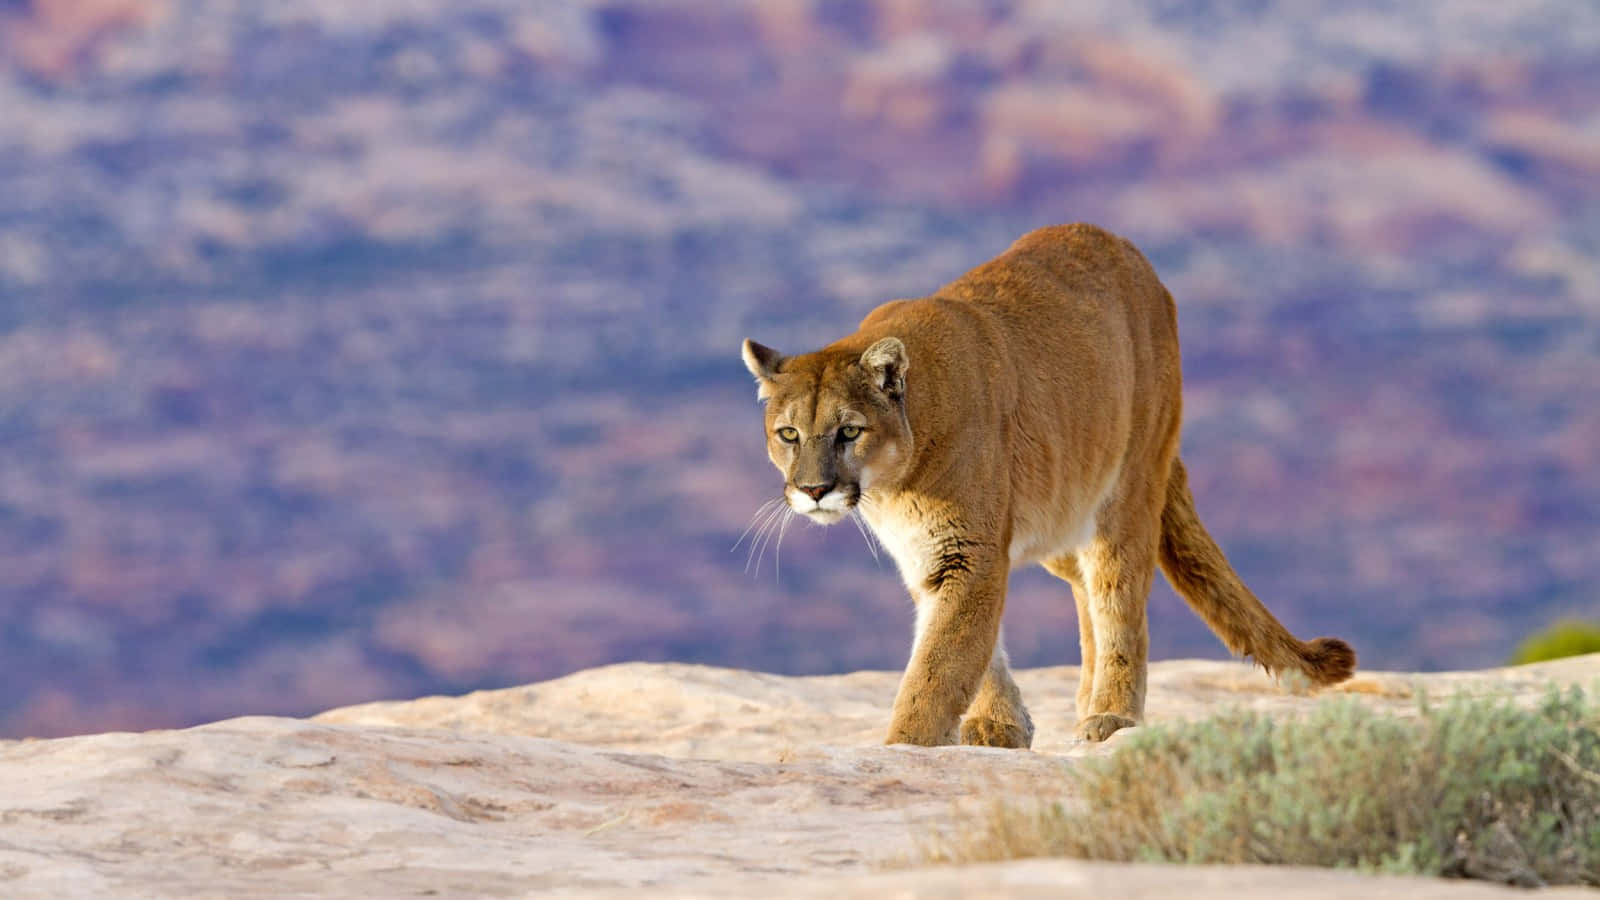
632	780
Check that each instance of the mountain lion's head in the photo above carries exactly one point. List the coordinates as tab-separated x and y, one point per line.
836	422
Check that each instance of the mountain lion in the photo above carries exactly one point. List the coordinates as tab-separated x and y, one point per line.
1026	413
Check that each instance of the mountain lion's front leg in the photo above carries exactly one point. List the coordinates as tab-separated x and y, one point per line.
997	716
958	622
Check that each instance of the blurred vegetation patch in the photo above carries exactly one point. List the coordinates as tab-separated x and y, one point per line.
1472	788
1568	638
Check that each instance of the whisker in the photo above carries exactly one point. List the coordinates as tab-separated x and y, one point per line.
772	529
750	558
872	538
777	552
865	535
755	538
754	518
770	523
757	542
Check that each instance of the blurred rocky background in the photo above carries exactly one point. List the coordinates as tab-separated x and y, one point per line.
353	350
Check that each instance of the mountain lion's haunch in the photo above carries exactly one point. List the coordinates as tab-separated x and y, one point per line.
1026	413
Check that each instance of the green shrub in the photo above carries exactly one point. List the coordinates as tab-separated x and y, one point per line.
1570	638
1473	788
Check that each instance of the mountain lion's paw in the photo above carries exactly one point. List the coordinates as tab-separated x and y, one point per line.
1102	726
992	733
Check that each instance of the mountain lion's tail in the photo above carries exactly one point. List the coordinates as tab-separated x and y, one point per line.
1196	567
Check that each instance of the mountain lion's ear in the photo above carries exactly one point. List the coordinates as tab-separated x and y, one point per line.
886	362
763	363
761	360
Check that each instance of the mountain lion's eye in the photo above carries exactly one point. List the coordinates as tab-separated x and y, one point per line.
850	432
788	435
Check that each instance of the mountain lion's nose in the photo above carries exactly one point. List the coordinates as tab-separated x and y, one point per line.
814	491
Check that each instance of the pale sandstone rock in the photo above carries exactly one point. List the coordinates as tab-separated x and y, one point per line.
631	780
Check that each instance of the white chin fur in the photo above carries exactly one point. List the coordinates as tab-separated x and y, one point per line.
830	509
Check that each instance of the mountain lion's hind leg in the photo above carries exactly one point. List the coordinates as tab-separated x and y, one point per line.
997	717
1066	569
1118	569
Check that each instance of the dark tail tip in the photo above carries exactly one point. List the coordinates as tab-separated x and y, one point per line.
1329	660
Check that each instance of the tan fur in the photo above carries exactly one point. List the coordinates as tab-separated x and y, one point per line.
1026	413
